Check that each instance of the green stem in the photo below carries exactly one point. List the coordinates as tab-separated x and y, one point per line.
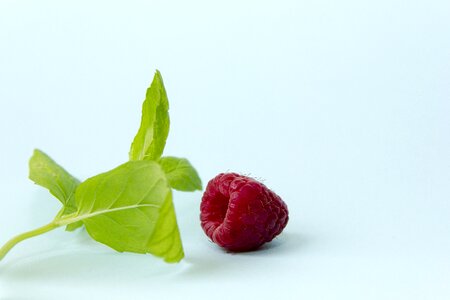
26	235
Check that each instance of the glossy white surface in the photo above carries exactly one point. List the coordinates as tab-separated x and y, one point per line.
342	107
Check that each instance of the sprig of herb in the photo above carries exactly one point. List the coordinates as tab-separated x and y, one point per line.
128	208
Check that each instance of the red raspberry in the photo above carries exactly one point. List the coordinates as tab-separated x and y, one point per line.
240	214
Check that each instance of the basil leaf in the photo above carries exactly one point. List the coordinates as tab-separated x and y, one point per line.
181	174
130	209
45	172
150	140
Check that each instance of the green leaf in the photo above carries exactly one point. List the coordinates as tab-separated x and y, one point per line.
45	172
130	209
73	226
150	140
181	174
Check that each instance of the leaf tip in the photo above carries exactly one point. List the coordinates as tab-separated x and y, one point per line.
175	259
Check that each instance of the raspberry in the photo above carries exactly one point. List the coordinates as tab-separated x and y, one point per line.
240	214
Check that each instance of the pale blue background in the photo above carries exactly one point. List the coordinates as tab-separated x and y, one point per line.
342	107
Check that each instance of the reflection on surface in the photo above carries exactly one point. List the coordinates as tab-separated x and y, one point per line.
88	260
92	266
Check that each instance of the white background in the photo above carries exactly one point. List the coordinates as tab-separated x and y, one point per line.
341	107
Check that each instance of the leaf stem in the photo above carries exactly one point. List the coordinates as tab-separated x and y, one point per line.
26	235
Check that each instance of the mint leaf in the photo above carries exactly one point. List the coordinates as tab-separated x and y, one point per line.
73	226
150	140
181	174
130	209
45	172
166	241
